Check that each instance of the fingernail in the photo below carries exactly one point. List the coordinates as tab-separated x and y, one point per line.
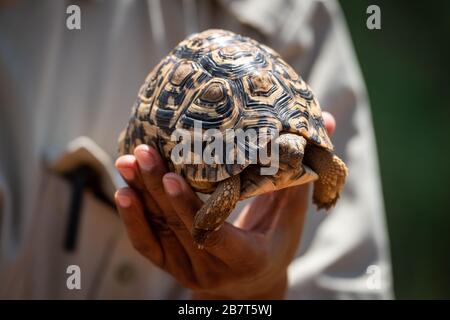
171	185
127	173
123	200
145	158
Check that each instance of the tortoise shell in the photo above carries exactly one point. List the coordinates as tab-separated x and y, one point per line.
226	81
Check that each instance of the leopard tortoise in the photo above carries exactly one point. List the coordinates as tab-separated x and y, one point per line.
227	81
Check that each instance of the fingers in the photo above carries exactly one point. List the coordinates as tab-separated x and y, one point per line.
330	122
169	225
165	252
225	243
152	169
143	172
128	167
139	231
183	199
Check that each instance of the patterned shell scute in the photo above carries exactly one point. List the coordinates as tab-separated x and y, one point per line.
226	81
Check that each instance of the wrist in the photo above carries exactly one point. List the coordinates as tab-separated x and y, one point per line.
273	290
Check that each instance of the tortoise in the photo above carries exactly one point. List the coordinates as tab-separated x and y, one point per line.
227	81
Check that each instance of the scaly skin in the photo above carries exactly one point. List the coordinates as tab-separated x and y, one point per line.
332	172
216	209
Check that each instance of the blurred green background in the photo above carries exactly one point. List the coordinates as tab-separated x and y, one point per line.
406	66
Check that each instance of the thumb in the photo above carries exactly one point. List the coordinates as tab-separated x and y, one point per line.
330	122
225	243
182	198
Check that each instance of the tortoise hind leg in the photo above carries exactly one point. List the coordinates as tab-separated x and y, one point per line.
332	172
216	209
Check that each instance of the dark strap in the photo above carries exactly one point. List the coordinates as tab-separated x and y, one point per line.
81	179
78	179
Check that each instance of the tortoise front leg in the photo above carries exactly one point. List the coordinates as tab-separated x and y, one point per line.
216	209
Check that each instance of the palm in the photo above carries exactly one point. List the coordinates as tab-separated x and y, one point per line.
260	215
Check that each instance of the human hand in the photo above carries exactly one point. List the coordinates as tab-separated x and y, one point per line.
244	260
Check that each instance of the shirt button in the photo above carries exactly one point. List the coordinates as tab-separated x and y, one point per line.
125	273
